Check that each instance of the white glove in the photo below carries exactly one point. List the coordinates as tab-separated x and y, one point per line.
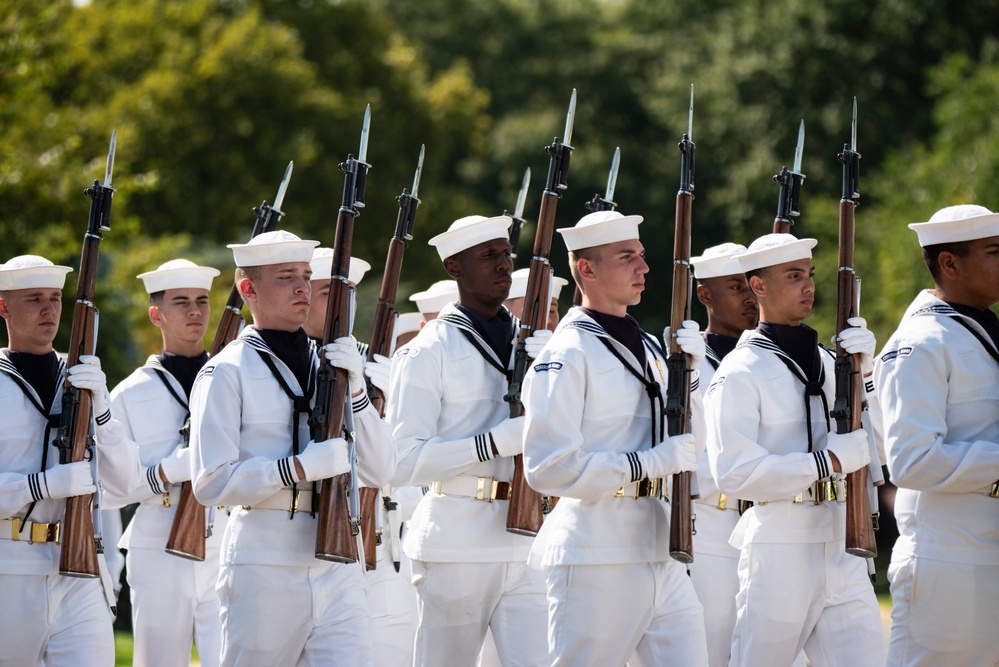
177	467
88	375
343	353
67	480
324	459
858	339
690	341
677	453
851	449
379	369
508	436
536	341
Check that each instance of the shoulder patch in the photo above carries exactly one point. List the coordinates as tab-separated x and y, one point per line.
205	370
553	366
894	354
406	352
716	381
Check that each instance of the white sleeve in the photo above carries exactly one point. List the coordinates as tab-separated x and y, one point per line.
220	477
375	449
914	391
118	462
740	465
554	459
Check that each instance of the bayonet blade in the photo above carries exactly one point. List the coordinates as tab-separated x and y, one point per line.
800	148
690	115
362	153
569	118
419	170
612	176
283	188
109	168
518	211
853	131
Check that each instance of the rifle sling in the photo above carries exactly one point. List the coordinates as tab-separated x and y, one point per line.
652	388
173	392
485	354
981	339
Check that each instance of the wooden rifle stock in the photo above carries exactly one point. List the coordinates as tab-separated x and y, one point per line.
847	409
681	528
527	508
188	531
78	556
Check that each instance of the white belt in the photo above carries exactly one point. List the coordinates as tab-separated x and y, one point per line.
10	529
830	490
487	489
168	499
721	505
299	501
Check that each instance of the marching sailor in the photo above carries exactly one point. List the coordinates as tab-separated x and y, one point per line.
769	442
938	379
251	451
173	598
50	618
595	437
454	433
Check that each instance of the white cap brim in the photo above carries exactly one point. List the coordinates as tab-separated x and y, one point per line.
32	272
322	266
178	274
470	231
774	249
518	288
434	299
278	247
600	228
718	261
955	224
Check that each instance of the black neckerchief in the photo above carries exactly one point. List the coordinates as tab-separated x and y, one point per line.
40	370
721	344
291	347
496	331
183	369
801	343
986	318
624	330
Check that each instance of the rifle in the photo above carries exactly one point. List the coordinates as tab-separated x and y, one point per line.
847	408
75	440
189	529
338	533
790	189
681	525
605	203
526	510
382	340
518	213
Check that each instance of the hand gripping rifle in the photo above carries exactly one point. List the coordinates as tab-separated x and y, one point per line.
790	189
847	407
605	203
681	528
338	533
526	510
76	440
190	529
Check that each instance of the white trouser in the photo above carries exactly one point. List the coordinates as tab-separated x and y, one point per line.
173	602
458	601
811	596
61	621
392	602
294	615
943	613
640	613
716	578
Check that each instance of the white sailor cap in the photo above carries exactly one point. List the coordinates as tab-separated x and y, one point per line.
406	323
31	272
519	287
719	260
965	222
322	266
440	294
773	249
178	274
600	228
278	247
471	231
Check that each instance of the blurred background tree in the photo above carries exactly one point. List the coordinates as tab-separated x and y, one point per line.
212	98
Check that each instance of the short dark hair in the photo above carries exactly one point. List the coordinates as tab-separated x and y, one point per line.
761	272
251	272
591	254
156	298
931	255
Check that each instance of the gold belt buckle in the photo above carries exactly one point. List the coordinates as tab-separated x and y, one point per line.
45	532
722	501
480	490
294	500
653	486
166	499
995	489
798	499
15	533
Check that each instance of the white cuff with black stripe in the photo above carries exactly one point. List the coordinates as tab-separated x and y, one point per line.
36	486
153	479
359	403
823	465
635	464
483	446
104	418
286	470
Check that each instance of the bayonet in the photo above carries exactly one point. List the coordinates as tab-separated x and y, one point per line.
362	153
800	147
283	188
853	129
612	176
419	171
109	169
518	211
569	119
690	115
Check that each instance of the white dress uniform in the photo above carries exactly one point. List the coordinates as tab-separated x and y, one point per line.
173	598
280	605
446	393
799	589
46	616
613	587
939	386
